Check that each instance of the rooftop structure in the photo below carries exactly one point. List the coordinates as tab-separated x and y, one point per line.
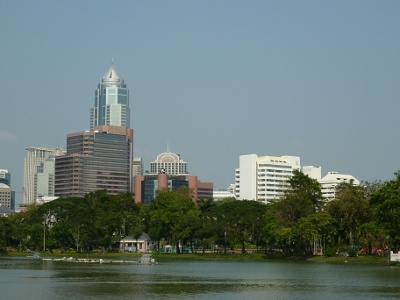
169	163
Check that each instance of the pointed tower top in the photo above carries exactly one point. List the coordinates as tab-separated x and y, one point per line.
111	77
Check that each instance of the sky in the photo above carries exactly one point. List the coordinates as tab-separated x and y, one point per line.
210	80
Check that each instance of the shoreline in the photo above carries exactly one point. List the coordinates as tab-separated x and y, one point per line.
372	260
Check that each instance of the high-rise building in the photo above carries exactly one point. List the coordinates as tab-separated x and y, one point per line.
137	166
5	195
168	163
39	172
137	170
264	178
95	160
111	103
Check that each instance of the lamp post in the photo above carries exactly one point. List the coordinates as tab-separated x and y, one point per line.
388	249
225	241
48	220
45	220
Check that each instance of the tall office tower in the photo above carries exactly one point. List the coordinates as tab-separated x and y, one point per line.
137	166
5	195
5	177
95	160
169	163
111	103
39	172
264	178
137	170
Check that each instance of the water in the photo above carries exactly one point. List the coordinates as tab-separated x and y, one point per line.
25	278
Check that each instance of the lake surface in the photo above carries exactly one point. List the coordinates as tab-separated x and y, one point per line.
27	278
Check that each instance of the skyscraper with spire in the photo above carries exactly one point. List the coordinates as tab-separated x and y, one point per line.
99	159
111	103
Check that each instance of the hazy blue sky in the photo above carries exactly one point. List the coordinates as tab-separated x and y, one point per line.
215	79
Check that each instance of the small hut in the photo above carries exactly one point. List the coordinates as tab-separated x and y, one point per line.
142	244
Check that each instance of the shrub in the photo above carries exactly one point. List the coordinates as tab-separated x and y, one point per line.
330	252
352	252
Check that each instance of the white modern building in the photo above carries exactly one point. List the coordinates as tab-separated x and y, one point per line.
330	181
44	199
264	178
111	104
229	192
39	167
169	163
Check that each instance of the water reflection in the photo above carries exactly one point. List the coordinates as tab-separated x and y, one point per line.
35	279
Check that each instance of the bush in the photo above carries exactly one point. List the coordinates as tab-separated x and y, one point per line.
330	252
352	252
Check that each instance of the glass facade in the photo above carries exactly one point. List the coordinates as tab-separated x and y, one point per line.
150	186
94	161
111	104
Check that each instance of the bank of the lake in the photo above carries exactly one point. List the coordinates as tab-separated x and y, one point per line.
373	260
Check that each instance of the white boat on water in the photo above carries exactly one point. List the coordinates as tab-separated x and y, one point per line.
34	254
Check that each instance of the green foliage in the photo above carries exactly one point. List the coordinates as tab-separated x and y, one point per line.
386	205
365	216
293	222
174	216
349	211
240	220
352	252
330	252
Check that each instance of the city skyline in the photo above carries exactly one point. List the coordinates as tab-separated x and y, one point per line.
216	80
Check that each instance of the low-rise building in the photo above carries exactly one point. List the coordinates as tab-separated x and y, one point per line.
330	181
146	186
142	244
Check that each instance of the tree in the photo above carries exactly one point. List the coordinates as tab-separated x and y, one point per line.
5	232
386	204
349	210
302	188
206	230
174	216
242	219
301	200
315	227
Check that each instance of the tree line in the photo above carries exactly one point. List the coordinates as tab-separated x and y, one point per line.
360	217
